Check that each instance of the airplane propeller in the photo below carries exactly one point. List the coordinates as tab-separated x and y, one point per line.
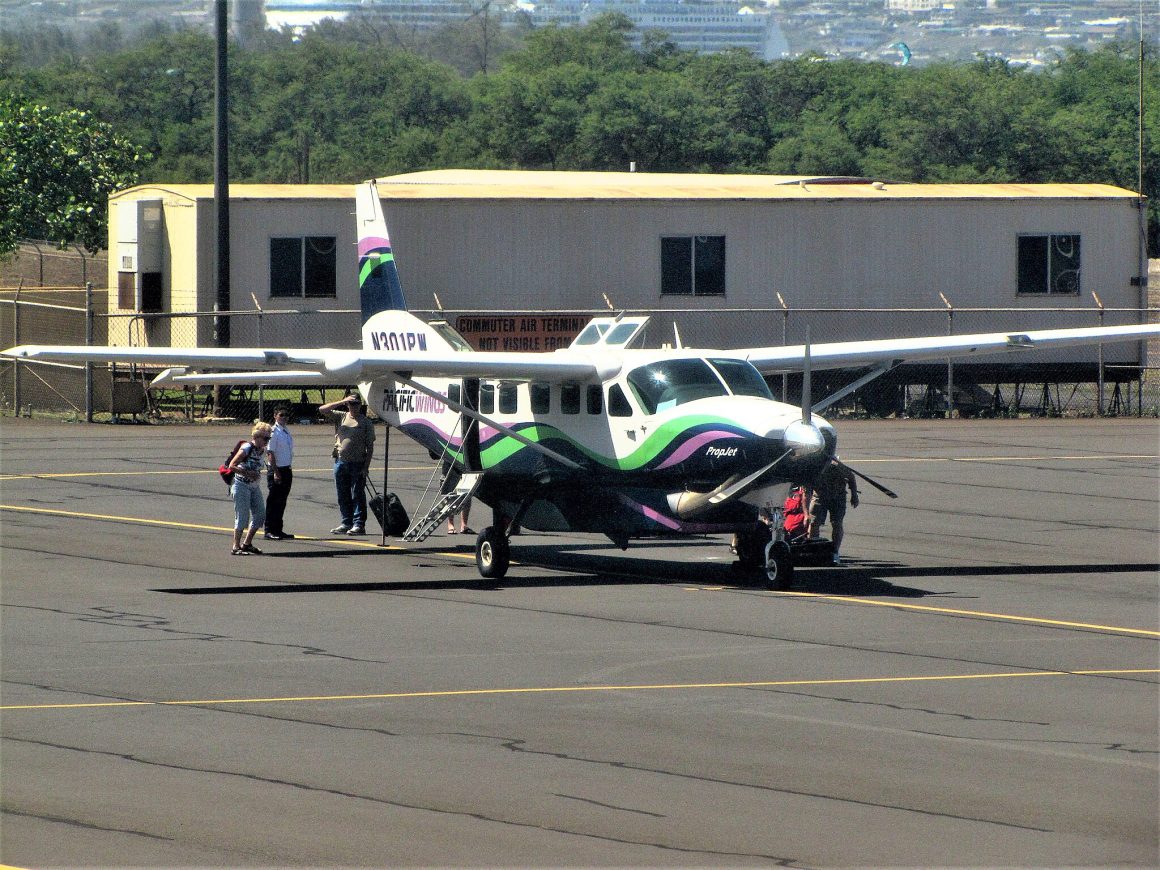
869	480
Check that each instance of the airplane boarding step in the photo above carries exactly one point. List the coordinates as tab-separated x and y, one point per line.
450	503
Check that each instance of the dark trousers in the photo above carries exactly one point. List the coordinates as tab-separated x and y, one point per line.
276	499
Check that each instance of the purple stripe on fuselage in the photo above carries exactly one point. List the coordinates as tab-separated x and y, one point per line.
372	243
695	443
422	423
673	524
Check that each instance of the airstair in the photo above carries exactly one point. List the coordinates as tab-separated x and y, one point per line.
448	504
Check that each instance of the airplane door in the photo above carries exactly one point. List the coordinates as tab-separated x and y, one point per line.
471	425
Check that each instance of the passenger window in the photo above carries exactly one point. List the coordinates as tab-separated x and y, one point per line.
595	399
507	398
453	393
487	398
541	397
570	398
618	405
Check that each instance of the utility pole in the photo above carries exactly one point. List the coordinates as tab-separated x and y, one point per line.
221	187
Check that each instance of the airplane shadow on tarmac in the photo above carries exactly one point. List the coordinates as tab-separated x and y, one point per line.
570	568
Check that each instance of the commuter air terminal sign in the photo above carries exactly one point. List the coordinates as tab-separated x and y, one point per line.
530	332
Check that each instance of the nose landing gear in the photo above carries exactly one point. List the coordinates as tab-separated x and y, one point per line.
763	558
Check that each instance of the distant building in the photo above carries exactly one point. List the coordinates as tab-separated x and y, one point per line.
695	26
913	5
710	252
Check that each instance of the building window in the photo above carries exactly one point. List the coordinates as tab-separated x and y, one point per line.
303	266
693	265
1049	264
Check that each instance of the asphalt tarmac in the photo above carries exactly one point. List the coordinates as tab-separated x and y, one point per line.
977	686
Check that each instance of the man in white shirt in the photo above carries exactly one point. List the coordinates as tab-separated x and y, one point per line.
281	475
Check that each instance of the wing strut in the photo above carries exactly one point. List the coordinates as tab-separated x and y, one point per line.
876	372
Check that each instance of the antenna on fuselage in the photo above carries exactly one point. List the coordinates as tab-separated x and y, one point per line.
807	399
677	336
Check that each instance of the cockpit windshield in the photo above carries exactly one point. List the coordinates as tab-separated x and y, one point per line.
667	383
664	384
742	378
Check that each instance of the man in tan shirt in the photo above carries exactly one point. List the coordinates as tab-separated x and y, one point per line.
354	445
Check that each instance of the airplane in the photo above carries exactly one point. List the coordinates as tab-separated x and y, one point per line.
603	436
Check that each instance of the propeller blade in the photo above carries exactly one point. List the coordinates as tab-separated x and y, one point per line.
741	486
689	504
869	480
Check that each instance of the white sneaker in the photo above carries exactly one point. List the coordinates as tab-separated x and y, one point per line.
341	529
357	530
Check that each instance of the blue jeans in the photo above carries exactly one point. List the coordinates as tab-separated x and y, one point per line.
249	506
349	482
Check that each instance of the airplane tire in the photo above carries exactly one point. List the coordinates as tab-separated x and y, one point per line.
492	553
751	545
777	570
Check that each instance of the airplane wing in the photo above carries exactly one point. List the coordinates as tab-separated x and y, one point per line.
849	354
321	365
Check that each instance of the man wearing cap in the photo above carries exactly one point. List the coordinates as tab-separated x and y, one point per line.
354	445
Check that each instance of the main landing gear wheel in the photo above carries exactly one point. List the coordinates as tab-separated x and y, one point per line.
777	569
492	553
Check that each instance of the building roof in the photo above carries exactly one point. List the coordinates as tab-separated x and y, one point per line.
521	184
501	184
194	192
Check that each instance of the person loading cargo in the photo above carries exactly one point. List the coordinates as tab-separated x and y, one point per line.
829	500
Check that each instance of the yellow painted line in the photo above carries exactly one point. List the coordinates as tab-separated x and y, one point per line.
543	690
114	518
358	542
173	524
65	474
950	611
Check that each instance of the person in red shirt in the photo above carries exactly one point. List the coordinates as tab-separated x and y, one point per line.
795	514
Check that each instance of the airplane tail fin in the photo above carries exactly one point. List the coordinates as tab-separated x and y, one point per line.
379	287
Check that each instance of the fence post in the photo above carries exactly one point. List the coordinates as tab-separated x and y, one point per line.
88	343
1100	362
15	342
950	401
784	332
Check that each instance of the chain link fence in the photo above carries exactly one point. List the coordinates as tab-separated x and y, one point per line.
1086	381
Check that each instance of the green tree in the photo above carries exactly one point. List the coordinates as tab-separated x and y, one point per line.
57	170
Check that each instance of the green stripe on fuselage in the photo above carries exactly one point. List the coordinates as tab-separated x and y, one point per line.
504	447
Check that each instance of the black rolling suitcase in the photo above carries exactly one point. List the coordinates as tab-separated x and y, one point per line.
389	511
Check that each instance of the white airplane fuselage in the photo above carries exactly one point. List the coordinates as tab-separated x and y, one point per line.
622	455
